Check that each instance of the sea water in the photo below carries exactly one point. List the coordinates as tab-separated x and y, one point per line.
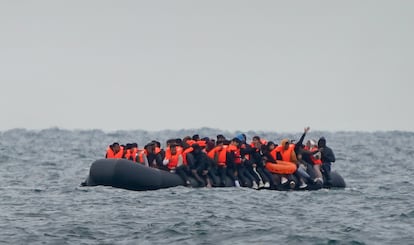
41	200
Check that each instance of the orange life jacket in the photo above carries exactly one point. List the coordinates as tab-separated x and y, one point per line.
172	159
140	156
131	154
236	151
212	153
110	153
157	150
185	152
286	154
190	142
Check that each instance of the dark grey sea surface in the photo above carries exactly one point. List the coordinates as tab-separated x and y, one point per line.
41	201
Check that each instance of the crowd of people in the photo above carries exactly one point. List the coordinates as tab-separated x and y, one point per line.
257	164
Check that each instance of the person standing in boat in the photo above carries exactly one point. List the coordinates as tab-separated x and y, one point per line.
327	158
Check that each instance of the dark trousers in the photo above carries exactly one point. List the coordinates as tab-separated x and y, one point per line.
326	171
181	171
244	176
223	172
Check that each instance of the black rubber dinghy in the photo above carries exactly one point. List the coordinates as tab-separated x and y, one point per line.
122	173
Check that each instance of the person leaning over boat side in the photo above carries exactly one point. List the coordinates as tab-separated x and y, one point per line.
174	162
327	158
114	151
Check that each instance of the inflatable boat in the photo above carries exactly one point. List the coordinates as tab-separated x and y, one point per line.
125	174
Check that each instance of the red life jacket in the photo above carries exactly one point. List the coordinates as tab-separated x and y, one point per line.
312	157
173	161
222	155
236	152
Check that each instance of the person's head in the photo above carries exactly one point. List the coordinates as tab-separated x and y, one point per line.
179	141
205	139
169	142
310	143
256	141
150	147
321	142
195	137
173	149
157	143
220	142
270	145
285	144
236	141
116	147
220	137
241	137
210	145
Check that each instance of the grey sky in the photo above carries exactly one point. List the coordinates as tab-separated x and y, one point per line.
232	65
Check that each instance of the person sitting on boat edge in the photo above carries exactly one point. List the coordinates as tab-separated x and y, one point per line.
234	163
114	151
198	164
327	158
262	175
247	174
218	156
131	151
313	156
174	162
153	155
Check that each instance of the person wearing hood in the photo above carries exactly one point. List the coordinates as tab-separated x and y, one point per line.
327	158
